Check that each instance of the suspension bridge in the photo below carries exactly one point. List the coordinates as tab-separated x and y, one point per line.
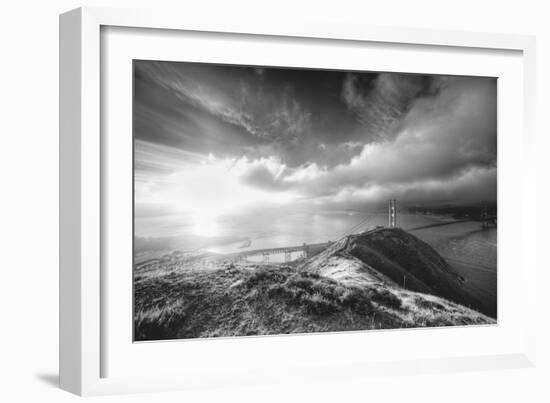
308	250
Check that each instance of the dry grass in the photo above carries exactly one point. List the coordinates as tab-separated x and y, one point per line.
186	301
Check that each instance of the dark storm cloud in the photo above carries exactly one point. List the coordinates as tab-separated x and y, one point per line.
380	101
188	109
237	110
215	109
438	138
441	142
333	137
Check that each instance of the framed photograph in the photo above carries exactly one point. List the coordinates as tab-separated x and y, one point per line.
247	202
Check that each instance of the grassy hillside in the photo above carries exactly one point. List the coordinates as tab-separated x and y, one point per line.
403	258
334	291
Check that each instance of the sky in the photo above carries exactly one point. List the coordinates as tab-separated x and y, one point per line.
220	140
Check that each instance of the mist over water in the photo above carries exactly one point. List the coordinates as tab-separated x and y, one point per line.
467	242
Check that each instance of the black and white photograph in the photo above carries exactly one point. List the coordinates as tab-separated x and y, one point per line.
274	200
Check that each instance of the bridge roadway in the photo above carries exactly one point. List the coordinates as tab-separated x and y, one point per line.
287	250
310	249
488	220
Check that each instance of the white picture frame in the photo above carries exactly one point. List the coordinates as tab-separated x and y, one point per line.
85	345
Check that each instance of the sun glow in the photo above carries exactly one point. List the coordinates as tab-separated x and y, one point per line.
206	190
205	224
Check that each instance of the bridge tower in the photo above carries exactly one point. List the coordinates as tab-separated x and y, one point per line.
392	213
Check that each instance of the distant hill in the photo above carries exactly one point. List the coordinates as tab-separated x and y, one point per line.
381	279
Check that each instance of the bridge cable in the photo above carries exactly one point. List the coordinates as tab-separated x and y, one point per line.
356	226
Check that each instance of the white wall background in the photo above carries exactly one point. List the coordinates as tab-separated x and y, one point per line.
29	201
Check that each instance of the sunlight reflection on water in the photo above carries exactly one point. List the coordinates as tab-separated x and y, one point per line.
467	242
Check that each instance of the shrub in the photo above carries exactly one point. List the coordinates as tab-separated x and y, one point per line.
300	282
311	275
158	323
318	295
316	304
427	304
386	298
264	275
292	295
356	299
